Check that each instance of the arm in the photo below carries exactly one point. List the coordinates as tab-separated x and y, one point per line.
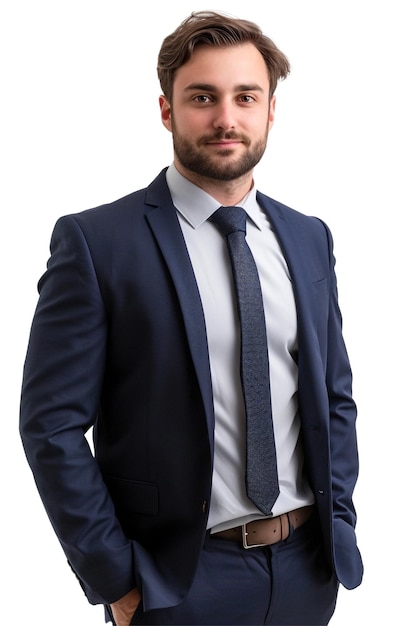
60	401
343	443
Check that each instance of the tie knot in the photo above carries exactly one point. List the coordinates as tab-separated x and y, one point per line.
229	219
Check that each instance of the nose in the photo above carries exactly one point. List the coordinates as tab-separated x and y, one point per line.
224	118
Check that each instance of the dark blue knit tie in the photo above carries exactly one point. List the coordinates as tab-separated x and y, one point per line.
261	460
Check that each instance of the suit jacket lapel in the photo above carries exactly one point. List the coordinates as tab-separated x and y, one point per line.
296	243
163	221
294	250
295	240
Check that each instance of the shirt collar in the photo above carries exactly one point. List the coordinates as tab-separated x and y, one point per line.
196	205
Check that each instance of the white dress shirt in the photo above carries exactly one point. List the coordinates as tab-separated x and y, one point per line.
209	256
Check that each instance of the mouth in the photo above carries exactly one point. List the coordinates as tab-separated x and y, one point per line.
227	141
224	144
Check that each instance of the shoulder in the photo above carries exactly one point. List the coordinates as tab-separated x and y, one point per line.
115	211
296	219
121	215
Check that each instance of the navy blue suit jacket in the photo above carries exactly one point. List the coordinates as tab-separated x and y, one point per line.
118	342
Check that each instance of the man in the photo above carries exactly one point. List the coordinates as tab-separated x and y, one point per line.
139	332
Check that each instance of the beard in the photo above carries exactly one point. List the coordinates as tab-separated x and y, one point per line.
195	160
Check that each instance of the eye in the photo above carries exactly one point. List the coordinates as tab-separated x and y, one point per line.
246	99
202	98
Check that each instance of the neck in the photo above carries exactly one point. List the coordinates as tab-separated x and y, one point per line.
227	193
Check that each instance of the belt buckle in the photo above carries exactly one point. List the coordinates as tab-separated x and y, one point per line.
245	543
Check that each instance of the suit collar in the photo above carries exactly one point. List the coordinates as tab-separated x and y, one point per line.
197	206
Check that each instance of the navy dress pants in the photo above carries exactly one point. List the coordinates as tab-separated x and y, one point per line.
287	583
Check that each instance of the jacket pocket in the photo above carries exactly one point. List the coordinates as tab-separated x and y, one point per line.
132	497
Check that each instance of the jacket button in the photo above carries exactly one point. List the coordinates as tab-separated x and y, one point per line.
204	507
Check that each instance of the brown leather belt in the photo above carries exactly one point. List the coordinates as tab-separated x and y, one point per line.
266	532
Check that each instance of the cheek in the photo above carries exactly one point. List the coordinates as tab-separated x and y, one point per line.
188	125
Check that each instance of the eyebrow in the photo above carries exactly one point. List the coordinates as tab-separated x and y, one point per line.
213	88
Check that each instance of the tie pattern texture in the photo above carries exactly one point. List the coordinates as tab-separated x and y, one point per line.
261	461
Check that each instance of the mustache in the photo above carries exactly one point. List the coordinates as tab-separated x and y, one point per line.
222	136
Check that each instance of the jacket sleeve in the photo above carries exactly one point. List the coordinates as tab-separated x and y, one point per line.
343	443
61	390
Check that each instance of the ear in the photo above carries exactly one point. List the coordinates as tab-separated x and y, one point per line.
165	108
271	116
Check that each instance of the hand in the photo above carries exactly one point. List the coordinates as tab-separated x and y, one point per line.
124	609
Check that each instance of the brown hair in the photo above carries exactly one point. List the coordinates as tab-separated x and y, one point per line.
215	29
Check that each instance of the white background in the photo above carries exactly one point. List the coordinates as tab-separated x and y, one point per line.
80	126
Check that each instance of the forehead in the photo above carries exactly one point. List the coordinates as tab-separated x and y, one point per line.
223	67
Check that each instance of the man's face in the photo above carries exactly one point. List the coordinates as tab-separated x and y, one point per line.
221	112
